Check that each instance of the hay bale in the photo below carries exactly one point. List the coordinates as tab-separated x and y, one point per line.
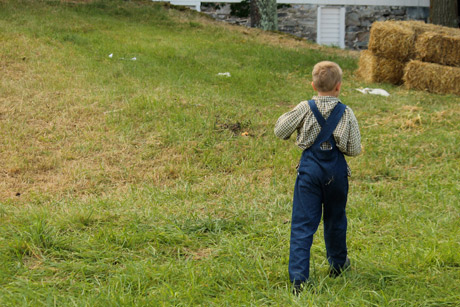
438	48
420	27
431	77
397	39
377	69
392	40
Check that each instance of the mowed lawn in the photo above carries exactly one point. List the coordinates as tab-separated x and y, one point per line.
147	179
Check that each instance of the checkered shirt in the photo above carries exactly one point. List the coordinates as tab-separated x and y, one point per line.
302	120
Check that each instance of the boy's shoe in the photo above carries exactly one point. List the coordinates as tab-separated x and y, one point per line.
336	272
299	287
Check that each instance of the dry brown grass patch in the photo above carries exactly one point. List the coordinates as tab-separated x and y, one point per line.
58	142
200	254
412	123
274	38
412	109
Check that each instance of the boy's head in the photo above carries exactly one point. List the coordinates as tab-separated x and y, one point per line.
327	77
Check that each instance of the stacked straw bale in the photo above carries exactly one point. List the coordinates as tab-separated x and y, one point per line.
424	56
438	48
431	77
391	40
378	69
420	27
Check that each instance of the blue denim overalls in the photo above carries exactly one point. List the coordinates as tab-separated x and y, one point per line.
321	180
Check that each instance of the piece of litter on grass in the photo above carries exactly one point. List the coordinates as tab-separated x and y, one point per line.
111	55
245	133
113	111
378	91
133	59
373	91
227	74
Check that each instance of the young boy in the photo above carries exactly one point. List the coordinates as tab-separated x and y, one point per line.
326	130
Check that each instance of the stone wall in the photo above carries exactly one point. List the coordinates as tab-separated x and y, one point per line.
300	20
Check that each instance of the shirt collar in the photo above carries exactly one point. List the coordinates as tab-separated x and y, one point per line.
326	98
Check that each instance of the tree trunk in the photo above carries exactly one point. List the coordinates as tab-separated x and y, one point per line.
264	14
255	14
444	12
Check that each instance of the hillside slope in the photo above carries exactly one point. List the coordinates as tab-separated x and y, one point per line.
133	174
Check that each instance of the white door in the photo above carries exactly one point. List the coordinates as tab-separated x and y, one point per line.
331	26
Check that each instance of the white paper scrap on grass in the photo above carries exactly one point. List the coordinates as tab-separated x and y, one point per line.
227	74
111	55
133	59
373	91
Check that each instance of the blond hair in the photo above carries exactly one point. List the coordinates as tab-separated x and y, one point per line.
326	75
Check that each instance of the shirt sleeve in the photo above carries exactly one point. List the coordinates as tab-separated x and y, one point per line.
354	138
290	121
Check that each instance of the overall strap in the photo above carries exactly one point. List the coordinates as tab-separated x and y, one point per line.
316	112
327	126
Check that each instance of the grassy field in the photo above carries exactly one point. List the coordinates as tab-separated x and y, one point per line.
133	182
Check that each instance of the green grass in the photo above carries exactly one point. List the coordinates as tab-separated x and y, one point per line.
129	182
